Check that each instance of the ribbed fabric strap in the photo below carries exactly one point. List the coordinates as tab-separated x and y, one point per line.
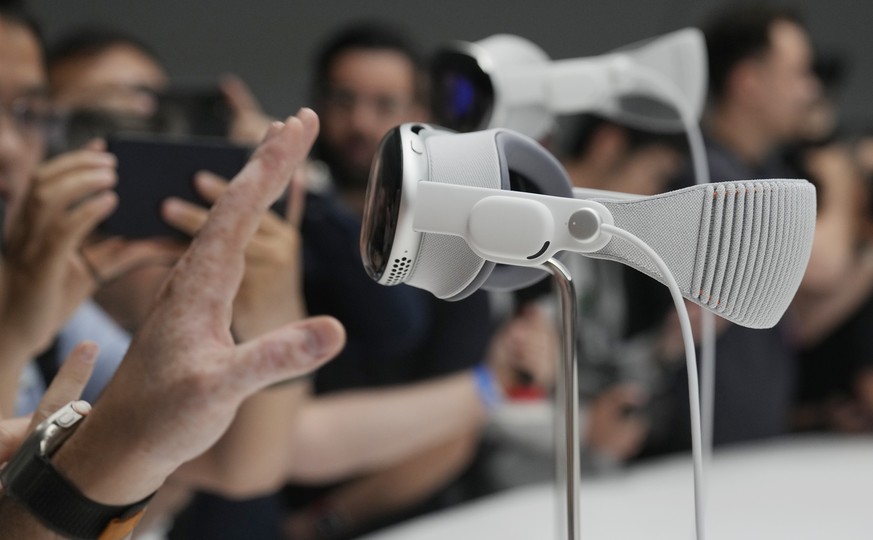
738	249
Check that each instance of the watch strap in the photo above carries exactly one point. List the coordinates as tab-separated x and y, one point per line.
60	506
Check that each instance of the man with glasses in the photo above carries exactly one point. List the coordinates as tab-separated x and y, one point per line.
25	104
47	270
367	80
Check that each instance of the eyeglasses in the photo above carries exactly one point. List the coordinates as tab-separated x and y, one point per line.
347	100
30	116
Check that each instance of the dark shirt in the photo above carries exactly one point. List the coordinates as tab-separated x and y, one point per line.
830	367
396	335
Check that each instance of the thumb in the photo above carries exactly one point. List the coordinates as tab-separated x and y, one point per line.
288	352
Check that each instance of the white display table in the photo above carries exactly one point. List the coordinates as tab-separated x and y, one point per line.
807	488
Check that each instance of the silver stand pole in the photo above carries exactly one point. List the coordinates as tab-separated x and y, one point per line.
567	408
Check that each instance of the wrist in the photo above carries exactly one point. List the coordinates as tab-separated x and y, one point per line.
488	388
47	493
107	466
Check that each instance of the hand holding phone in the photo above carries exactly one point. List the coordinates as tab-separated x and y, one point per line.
152	168
270	294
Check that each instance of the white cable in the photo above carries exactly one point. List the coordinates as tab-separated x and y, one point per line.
691	364
700	165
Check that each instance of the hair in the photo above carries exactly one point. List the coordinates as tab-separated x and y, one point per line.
369	36
13	11
739	32
577	134
88	42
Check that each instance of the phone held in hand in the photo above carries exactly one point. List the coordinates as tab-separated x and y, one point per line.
152	168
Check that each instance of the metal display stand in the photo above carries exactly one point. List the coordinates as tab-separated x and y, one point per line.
567	408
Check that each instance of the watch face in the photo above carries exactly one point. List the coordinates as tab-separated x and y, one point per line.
382	204
463	97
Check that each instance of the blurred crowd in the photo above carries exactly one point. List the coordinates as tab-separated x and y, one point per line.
428	404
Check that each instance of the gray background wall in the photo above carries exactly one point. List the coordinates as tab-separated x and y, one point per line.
269	42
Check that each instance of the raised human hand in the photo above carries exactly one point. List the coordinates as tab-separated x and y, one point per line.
183	378
249	123
524	351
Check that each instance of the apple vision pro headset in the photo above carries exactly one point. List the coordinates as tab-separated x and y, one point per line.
455	212
450	213
507	81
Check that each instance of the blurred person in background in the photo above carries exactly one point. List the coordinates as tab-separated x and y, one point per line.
345	425
100	68
833	310
49	266
182	380
831	314
761	86
619	346
368	79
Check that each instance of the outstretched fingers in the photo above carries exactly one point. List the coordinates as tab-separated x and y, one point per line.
284	148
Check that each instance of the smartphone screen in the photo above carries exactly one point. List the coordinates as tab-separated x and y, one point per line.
152	168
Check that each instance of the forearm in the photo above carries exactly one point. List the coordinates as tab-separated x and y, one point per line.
404	485
250	458
831	254
110	461
815	315
349	433
833	246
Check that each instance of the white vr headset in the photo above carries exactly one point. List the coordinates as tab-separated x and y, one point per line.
450	213
508	81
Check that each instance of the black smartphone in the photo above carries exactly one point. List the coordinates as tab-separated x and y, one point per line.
78	126
152	168
197	112
180	112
